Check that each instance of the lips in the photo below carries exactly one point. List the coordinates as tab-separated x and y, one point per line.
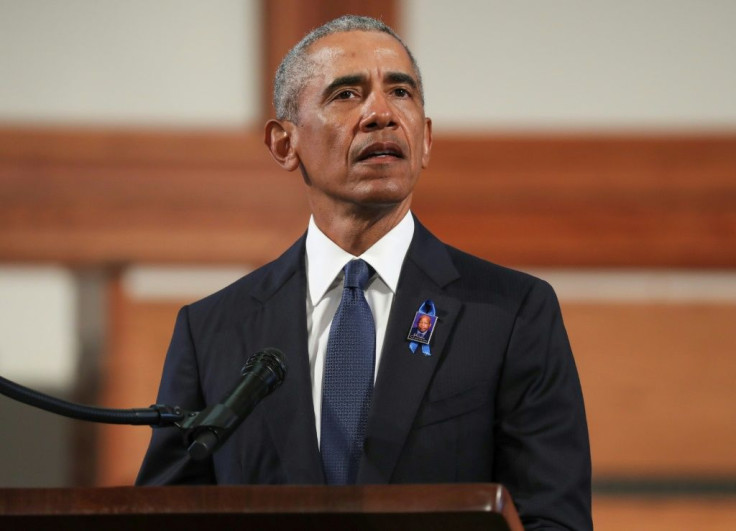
380	149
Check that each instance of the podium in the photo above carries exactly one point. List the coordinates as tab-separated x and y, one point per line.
371	507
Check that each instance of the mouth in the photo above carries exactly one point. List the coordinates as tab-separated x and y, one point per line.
380	151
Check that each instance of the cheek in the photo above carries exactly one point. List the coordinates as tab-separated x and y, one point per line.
326	153
313	147
327	140
417	138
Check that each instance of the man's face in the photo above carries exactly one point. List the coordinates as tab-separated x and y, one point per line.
361	137
424	323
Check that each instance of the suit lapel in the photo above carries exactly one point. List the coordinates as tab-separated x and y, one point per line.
403	376
290	415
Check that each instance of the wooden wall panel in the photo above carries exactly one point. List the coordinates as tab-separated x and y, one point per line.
108	198
664	514
101	197
131	371
585	201
658	381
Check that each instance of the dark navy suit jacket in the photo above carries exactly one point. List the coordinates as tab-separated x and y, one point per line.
498	399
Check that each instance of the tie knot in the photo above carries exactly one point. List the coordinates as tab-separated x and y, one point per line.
357	273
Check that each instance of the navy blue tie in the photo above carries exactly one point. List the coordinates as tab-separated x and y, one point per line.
347	385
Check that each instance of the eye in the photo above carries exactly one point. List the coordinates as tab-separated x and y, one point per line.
345	95
402	92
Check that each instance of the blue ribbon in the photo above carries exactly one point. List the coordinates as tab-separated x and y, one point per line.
427	307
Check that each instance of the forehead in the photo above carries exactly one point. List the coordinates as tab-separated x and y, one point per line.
352	52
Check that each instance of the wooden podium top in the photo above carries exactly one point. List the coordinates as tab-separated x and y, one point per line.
384	507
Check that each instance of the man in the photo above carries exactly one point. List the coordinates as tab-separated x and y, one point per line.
421	330
493	397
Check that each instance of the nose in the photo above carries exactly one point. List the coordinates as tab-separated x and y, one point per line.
378	113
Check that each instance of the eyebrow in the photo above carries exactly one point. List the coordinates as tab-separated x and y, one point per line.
401	77
344	81
359	79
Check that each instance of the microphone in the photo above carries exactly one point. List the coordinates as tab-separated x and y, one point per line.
208	430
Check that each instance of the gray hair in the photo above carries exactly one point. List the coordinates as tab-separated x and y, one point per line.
295	69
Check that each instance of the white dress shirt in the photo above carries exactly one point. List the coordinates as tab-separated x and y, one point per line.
325	261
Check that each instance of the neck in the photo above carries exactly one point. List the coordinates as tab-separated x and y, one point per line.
355	232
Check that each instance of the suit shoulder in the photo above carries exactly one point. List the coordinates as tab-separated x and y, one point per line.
253	288
241	287
484	276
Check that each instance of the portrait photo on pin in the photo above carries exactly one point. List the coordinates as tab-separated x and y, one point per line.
422	328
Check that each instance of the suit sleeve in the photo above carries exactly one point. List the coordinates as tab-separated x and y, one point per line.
167	462
542	453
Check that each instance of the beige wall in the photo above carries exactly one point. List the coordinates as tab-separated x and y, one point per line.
38	326
488	64
167	62
575	64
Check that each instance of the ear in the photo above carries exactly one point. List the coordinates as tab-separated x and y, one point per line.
427	147
278	139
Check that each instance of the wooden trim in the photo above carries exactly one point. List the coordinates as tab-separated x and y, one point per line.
75	146
103	196
276	507
587	201
664	513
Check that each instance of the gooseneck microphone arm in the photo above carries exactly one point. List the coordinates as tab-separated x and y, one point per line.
156	415
204	431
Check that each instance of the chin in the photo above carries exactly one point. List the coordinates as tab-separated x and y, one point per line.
383	196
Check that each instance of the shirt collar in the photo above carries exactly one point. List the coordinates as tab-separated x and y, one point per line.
325	259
